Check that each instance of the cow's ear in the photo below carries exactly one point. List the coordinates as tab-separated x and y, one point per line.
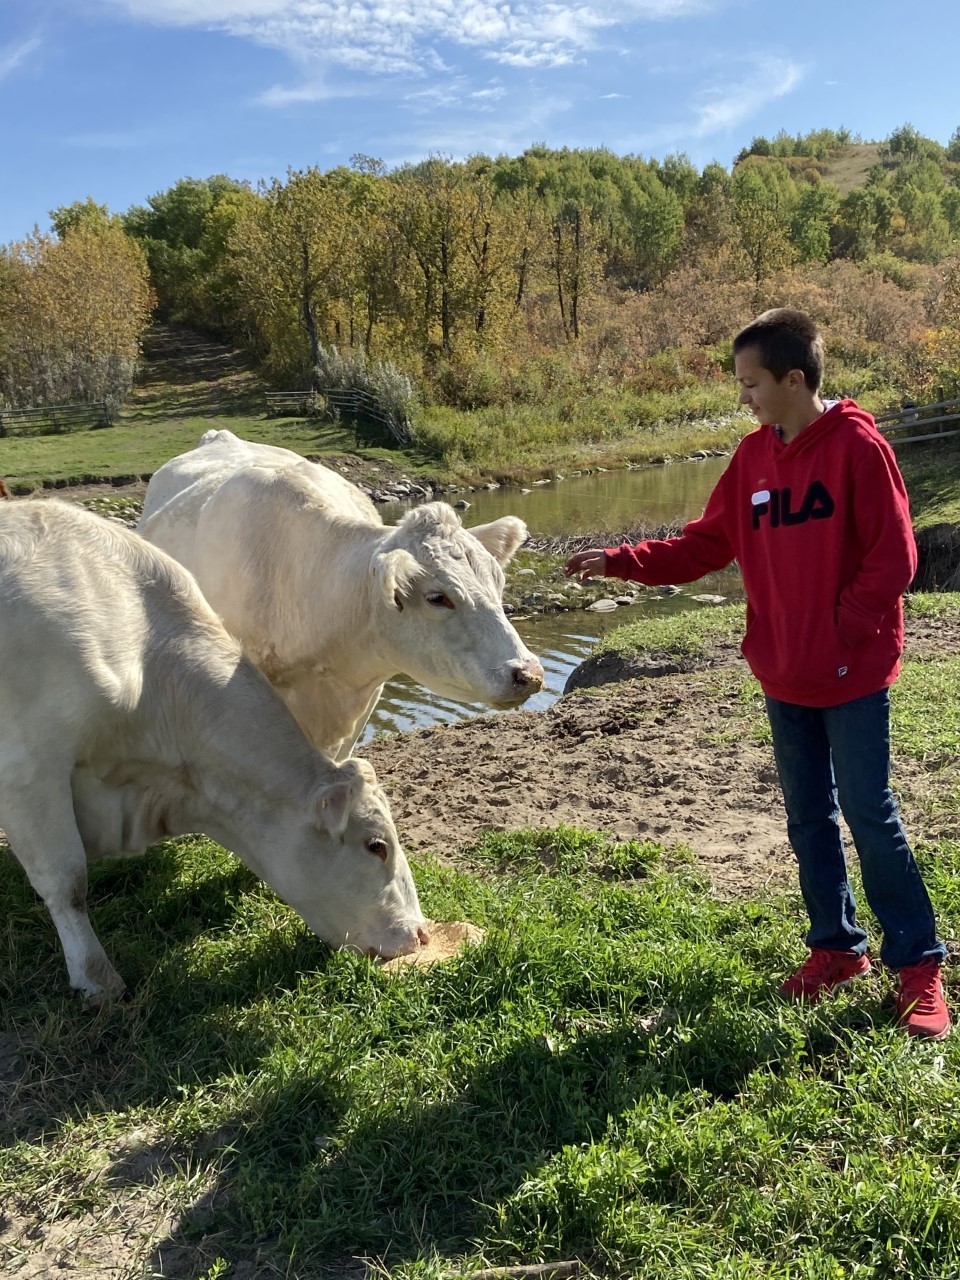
395	572
333	807
501	537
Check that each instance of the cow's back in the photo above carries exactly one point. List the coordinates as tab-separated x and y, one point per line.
178	491
73	626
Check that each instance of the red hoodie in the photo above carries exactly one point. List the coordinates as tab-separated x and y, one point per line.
821	530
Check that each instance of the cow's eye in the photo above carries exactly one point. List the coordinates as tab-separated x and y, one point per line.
439	600
379	848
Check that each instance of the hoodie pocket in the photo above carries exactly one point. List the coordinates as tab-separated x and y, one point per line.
796	654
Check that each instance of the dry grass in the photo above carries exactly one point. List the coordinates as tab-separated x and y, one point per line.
849	170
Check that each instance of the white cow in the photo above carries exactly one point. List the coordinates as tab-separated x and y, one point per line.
327	600
128	714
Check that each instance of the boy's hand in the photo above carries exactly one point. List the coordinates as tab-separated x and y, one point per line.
586	564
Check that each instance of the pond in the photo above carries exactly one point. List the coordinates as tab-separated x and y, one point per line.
603	501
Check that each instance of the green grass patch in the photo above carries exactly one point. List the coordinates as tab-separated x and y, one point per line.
602	428
932	604
135	448
608	1076
931	472
689	634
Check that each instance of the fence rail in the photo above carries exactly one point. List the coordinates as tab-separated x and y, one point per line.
46	419
920	417
355	403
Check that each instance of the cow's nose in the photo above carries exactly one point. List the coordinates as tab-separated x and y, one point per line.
528	673
423	935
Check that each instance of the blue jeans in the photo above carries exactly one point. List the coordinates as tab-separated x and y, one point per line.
830	754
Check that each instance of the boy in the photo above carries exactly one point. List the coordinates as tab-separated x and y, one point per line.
814	509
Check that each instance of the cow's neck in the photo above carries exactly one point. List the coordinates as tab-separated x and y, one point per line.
337	611
238	747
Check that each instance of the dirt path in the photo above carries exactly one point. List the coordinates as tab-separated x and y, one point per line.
668	758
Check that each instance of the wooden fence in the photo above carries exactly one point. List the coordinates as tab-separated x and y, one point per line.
45	419
912	419
346	400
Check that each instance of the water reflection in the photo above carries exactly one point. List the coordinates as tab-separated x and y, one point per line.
613	500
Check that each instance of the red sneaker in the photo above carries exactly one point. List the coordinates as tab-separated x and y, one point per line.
921	1008
824	972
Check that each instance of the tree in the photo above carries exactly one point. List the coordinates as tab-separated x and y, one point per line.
72	313
762	209
171	229
82	213
813	218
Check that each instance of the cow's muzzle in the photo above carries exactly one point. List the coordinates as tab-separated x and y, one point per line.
527	677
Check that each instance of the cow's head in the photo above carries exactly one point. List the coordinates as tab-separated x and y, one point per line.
441	616
342	867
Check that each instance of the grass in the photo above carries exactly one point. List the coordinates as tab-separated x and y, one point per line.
932	475
849	169
607	1076
615	427
135	448
681	635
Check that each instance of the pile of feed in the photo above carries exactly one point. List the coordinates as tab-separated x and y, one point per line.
447	938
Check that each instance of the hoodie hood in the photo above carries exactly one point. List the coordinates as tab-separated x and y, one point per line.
841	415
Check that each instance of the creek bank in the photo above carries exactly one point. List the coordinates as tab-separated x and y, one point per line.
675	757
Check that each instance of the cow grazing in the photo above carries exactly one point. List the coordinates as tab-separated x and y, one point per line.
128	714
327	600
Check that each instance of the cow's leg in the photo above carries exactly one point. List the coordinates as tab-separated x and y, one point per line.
45	840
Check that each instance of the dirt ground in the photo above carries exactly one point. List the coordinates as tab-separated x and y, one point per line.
660	757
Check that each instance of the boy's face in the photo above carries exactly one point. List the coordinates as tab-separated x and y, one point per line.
769	400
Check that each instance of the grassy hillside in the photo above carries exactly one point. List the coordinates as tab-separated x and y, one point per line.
850	168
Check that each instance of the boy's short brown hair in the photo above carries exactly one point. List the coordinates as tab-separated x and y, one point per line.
785	339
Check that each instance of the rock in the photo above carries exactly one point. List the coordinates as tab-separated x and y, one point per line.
602	606
526	490
625	600
709	599
610	667
525	573
461	504
669	590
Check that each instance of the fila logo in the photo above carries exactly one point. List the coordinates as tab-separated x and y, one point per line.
778	505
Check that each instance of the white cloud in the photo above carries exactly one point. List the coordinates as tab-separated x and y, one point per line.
722	105
14	55
383	37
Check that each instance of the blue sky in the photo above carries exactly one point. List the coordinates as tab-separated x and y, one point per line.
118	99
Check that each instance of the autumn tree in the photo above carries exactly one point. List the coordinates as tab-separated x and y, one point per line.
72	313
